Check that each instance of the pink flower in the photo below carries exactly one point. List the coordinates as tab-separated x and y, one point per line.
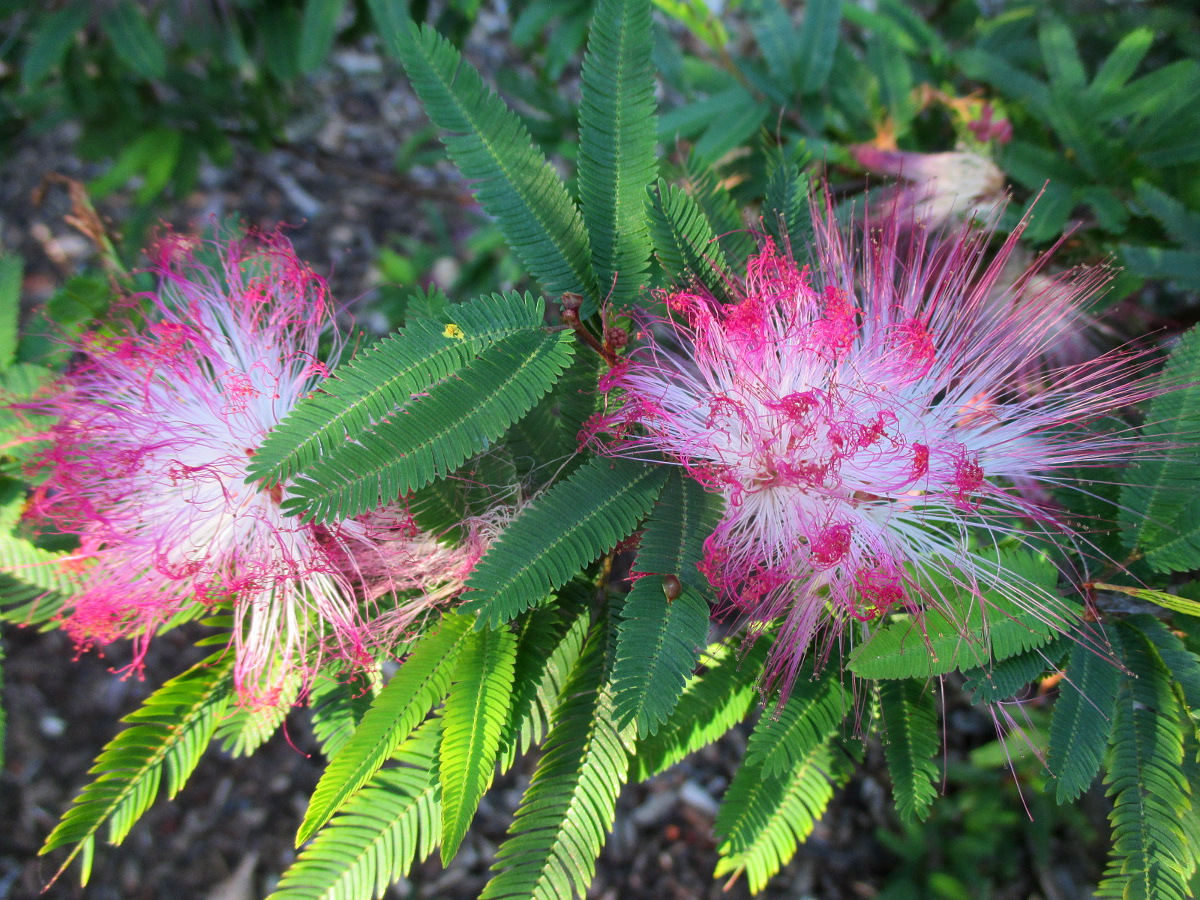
147	465
941	186
860	423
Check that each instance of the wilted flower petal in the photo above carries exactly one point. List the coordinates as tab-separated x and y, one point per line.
940	186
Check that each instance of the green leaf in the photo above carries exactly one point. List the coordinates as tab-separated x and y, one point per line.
712	703
993	626
513	181
438	430
419	685
1010	80
786	215
812	713
569	526
337	708
570	804
1002	680
684	241
764	818
34	583
550	643
1182	663
1181	223
733	129
385	378
1121	64
168	733
1165	263
817	43
721	210
659	639
135	41
776	37
51	40
617	133
371	843
1061	55
894	78
1160	507
1151	856
660	642
318	28
910	745
1173	602
476	710
245	729
11	268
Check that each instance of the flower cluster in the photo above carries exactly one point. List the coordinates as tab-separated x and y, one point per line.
147	465
861	422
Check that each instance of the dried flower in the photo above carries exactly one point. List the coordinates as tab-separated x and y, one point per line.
861	425
941	186
147	464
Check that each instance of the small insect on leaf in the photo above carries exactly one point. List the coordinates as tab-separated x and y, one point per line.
672	587
453	331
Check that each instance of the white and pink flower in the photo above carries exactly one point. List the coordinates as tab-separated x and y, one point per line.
147	464
862	423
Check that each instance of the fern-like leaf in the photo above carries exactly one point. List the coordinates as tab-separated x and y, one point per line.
659	646
684	240
167	734
247	728
1003	680
764	818
812	713
551	640
371	843
569	526
1151	856
660	638
1160	507
570	803
786	215
617	133
910	744
337	708
721	210
984	628
1182	663
475	713
34	584
513	181
712	703
1082	721
437	431
419	685
385	377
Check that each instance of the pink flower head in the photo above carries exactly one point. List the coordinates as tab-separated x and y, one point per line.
860	423
940	186
148	458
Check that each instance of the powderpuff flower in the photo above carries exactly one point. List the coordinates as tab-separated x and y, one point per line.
940	186
861	424
147	465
